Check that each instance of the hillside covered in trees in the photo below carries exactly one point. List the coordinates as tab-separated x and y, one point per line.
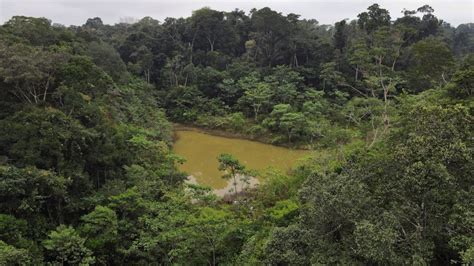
88	174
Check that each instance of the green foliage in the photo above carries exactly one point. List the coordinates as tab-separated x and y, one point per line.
278	186
28	191
375	241
107	58
10	255
64	245
88	176
283	212
49	140
380	199
35	31
100	229
283	119
30	71
373	19
15	242
233	169
286	246
81	74
236	121
209	25
206	232
462	83
12	230
257	96
432	63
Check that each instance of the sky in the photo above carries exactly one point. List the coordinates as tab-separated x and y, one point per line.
76	12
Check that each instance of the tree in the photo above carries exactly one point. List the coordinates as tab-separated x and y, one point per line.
207	231
49	139
30	71
229	91
129	205
286	85
94	23
256	94
65	246
284	118
381	77
207	80
36	31
375	18
462	83
210	24
429	23
232	167
178	71
108	59
183	103
143	62
417	29
86	140
411	186
464	39
340	35
33	194
293	123
100	230
431	63
81	74
163	236
286	245
10	255
270	30
12	230
359	58
331	77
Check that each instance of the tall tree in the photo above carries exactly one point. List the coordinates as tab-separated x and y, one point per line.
30	71
270	30
257	94
210	26
431	64
340	35
374	18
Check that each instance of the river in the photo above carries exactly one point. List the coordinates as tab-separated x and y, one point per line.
201	150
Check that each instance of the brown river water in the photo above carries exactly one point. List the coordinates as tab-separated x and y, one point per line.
201	150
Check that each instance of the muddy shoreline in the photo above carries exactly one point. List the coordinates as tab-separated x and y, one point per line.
234	135
228	189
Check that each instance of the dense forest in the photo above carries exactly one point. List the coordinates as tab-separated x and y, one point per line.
88	174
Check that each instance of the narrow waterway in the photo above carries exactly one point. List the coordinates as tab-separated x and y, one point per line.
201	150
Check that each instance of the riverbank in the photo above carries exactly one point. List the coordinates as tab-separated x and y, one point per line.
252	182
236	135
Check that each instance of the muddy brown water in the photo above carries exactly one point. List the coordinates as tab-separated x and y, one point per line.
201	150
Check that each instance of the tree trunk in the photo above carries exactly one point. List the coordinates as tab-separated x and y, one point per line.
211	43
256	110
235	185
213	256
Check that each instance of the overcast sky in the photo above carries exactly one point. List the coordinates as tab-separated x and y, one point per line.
76	12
